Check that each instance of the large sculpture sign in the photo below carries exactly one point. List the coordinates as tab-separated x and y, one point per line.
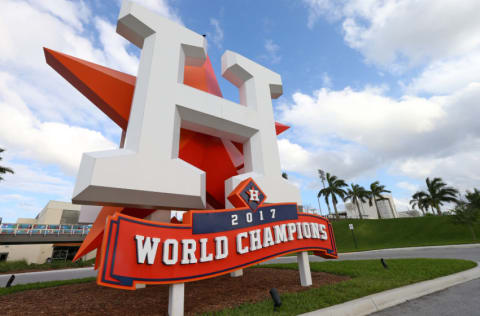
185	147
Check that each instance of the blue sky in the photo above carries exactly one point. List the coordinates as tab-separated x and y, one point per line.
373	90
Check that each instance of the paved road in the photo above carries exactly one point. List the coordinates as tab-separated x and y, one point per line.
53	275
470	252
461	300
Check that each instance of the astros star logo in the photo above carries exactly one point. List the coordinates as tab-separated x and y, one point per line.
253	195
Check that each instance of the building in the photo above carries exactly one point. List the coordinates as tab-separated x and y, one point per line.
386	207
409	213
54	213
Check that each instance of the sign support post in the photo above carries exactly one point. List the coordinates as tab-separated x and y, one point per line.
304	268
176	297
350	226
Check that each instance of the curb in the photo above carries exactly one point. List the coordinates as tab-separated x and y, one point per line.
379	301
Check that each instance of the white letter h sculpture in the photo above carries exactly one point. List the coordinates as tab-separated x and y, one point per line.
147	172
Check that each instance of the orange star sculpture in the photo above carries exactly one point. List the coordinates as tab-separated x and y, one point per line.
112	92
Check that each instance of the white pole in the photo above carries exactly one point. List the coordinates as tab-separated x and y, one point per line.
304	268
236	273
176	293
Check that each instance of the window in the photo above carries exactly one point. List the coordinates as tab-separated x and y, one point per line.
64	253
69	217
3	256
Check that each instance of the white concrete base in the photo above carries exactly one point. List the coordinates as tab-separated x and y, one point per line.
140	286
304	268
379	301
176	295
237	273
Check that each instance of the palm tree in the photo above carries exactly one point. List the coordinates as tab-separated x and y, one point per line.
473	198
437	193
356	193
333	189
375	192
467	211
419	200
4	170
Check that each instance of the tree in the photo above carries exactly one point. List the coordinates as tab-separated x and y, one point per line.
473	198
375	192
419	200
467	212
334	189
321	175
285	175
4	170
439	192
356	193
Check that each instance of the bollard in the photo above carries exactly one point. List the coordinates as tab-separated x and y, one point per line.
277	302
10	281
384	263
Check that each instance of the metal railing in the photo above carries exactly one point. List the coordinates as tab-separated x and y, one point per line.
43	229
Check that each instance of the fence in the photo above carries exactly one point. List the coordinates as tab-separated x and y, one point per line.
43	229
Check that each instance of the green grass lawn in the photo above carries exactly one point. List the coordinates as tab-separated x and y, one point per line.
400	232
368	277
22	265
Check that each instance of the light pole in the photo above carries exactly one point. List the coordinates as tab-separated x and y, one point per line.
321	174
319	208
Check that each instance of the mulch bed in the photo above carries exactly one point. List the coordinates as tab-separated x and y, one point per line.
201	296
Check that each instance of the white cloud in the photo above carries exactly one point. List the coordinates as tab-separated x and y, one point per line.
72	13
446	76
378	28
294	157
365	117
319	8
31	178
459	169
410	187
115	48
22	44
217	35
272	50
346	161
46	93
14	197
48	142
44	118
352	132
418	136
